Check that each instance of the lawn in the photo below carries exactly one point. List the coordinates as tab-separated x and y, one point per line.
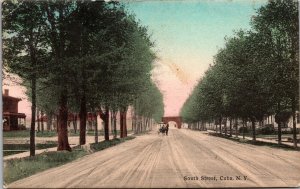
273	136
9	149
16	169
26	133
106	144
257	143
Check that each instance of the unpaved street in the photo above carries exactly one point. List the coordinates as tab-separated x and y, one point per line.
168	161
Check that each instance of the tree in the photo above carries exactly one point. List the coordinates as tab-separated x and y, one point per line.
278	27
24	51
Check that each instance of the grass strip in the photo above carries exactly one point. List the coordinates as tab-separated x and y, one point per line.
26	133
16	169
106	144
48	144
10	149
257	143
12	152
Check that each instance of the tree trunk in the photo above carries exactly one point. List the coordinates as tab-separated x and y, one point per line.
294	122
216	128
75	123
236	127
133	122
82	116
42	121
145	123
243	129
279	123
230	127
253	129
115	124
38	120
279	132
140	124
96	128
225	126
90	124
121	124
33	110
125	122
106	123
220	120
49	121
57	122
112	122
63	143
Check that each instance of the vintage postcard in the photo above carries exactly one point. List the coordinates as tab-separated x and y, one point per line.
150	93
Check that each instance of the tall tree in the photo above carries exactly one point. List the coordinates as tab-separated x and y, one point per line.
25	53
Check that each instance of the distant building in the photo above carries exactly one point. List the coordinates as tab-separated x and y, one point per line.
12	120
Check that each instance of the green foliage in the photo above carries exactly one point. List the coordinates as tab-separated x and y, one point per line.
150	103
243	130
283	117
255	74
78	55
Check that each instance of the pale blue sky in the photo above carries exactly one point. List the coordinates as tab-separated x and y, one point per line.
187	35
188	31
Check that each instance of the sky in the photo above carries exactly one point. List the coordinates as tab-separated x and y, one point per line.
187	34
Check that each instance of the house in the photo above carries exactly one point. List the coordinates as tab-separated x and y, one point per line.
12	119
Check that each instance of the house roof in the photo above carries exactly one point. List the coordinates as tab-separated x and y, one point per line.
19	115
11	98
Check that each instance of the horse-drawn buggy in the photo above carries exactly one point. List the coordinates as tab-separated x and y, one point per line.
162	128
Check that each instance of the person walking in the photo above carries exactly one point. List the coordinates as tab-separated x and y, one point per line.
167	129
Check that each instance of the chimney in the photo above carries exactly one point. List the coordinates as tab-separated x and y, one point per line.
6	92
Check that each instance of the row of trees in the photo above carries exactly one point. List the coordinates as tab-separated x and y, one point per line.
255	75
80	56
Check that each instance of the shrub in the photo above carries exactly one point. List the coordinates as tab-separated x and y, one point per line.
267	129
245	129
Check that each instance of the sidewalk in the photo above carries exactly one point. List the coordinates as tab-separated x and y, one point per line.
73	141
257	139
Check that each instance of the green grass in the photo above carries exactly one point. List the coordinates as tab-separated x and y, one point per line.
257	143
16	169
26	133
10	149
92	133
48	144
275	136
106	144
46	134
18	134
8	153
142	133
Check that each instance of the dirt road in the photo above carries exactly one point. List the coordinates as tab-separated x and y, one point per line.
183	159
